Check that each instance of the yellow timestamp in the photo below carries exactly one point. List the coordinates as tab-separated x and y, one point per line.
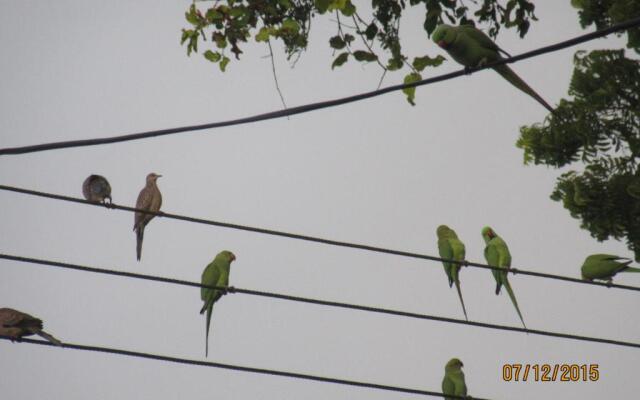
550	373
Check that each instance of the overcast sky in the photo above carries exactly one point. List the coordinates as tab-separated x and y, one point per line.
378	172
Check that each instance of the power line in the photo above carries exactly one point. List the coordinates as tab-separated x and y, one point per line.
316	239
323	104
254	370
299	299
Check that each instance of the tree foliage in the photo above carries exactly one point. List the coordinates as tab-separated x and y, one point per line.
374	37
601	128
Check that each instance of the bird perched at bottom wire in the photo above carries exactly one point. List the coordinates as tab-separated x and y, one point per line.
605	267
470	47
96	188
453	381
215	274
16	324
149	199
450	247
497	254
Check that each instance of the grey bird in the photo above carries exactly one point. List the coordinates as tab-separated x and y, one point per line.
149	199
96	188
16	324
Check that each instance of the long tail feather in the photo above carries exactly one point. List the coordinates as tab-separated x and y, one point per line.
507	286
50	338
139	237
508	74
631	269
206	347
464	310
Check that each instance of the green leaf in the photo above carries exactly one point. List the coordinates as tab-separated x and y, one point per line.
291	25
349	38
211	56
394	64
362	55
341	59
371	31
191	15
421	63
263	34
220	39
337	43
223	63
212	15
349	9
322	6
411	91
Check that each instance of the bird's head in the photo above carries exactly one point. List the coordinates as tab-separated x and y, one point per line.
152	177
454	363
488	233
227	255
444	35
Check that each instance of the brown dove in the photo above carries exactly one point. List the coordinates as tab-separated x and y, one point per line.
149	199
16	324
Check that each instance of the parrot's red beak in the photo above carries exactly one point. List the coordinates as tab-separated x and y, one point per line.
442	44
233	257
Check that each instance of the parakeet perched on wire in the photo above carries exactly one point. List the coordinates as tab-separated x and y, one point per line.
470	47
605	267
497	254
450	247
16	324
215	274
96	188
149	199
453	381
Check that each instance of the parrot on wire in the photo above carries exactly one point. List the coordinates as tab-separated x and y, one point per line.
605	267
470	47
215	274
453	381
497	254
149	199
450	247
16	324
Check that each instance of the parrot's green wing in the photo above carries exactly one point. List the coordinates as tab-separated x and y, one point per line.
458	254
448	387
457	378
446	251
480	38
492	256
210	277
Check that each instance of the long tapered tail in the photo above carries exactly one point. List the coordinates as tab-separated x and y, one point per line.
206	339
508	74
631	269
464	310
139	237
50	338
507	286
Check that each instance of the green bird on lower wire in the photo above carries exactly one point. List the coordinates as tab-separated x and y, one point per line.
215	274
605	267
450	247
470	47
497	254
453	381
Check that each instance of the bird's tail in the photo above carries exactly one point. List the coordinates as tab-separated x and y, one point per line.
206	344
139	237
508	74
631	269
464	310
50	338
507	286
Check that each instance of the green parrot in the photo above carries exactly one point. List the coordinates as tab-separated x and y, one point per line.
497	254
605	267
453	381
452	248
470	47
215	274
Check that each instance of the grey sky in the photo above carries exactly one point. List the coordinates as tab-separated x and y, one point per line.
379	172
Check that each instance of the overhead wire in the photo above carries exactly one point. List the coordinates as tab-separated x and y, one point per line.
327	303
323	104
254	370
317	239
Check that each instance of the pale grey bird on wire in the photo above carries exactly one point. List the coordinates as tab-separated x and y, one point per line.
16	324
96	188
149	199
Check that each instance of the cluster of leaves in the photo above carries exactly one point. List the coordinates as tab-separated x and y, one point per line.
601	128
232	22
603	13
